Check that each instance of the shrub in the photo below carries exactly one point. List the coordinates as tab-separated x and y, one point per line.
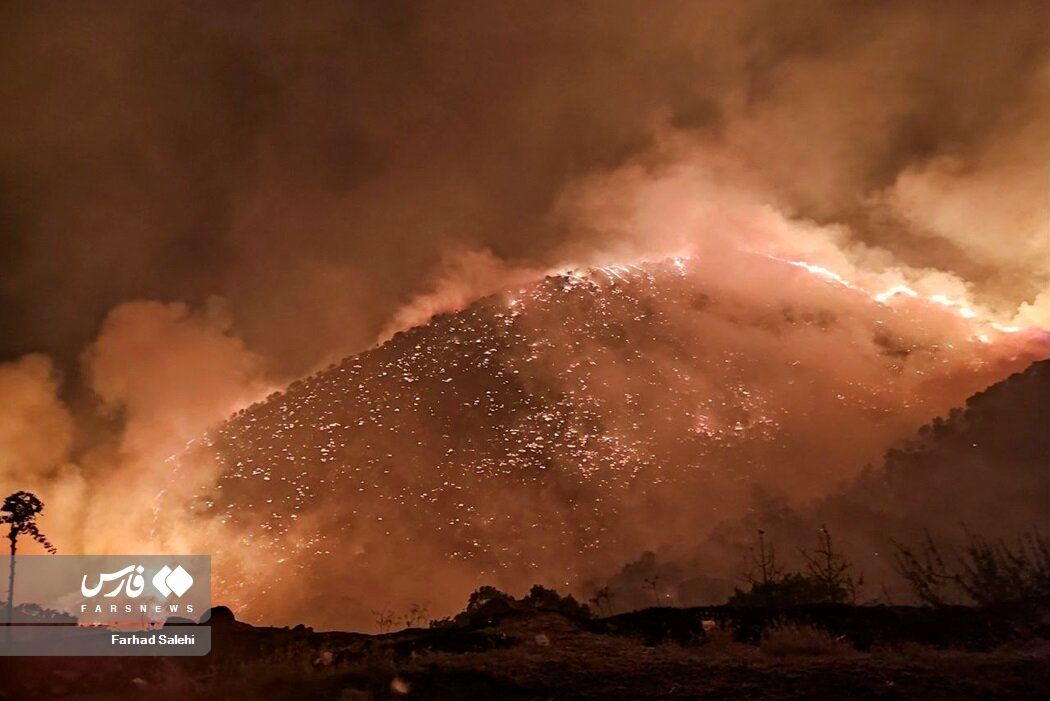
544	599
721	640
985	572
797	639
488	603
828	577
789	590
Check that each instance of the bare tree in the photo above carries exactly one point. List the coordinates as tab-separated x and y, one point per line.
831	571
651	584
602	600
19	511
986	572
924	570
416	616
763	564
992	572
384	619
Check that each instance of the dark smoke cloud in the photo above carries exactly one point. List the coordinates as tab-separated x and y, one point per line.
244	192
312	162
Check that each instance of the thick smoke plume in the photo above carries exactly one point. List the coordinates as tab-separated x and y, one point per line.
203	202
314	167
165	374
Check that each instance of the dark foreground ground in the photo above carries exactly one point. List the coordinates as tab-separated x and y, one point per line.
816	652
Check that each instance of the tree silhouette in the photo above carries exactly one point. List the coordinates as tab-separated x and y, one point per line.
828	577
651	584
385	619
988	572
19	512
416	616
832	572
764	568
602	600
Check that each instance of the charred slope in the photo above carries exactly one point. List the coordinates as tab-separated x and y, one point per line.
984	468
554	433
986	464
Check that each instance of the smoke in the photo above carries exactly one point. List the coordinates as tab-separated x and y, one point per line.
315	168
36	429
463	277
341	173
990	202
163	373
171	371
36	446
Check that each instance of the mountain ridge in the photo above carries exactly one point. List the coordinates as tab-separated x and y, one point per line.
558	430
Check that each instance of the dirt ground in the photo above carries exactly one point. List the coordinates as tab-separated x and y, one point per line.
543	656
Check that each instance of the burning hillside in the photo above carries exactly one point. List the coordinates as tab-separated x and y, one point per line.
551	434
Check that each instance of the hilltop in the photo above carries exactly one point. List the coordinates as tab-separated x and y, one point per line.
552	433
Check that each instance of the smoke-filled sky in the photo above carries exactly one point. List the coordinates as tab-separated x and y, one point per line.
202	201
313	163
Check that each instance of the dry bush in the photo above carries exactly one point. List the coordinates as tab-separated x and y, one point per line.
985	571
721	642
798	639
906	650
298	669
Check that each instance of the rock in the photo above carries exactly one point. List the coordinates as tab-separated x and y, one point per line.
218	616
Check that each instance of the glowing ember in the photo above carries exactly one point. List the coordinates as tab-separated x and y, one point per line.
528	438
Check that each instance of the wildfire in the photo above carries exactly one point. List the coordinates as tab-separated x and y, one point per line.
620	272
817	270
960	307
889	294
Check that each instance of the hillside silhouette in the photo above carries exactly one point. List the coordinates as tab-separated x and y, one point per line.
551	434
980	469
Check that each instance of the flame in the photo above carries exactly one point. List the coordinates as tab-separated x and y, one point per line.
960	307
885	297
680	261
889	294
818	270
614	271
